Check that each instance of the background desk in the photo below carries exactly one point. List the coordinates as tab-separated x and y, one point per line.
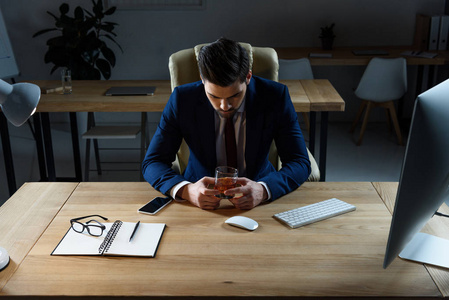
343	56
199	255
315	96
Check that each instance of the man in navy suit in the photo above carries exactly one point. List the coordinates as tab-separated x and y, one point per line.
261	111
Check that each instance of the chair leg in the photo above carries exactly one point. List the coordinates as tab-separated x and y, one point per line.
388	115
97	156
369	105
305	116
394	118
359	114
143	138
87	161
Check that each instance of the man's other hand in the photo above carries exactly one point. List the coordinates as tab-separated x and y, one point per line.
198	193
253	192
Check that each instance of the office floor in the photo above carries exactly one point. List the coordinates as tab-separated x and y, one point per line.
379	158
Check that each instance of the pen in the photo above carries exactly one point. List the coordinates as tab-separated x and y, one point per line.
134	231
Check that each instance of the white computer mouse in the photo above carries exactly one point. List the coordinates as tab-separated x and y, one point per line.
4	258
242	222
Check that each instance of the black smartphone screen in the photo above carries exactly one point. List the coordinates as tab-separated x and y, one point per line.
155	205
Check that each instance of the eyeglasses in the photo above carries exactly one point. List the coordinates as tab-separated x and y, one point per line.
93	229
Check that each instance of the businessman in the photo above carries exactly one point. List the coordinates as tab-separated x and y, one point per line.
204	113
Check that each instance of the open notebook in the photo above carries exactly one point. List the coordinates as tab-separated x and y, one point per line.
114	241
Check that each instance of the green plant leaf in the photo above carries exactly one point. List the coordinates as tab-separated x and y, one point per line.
108	55
44	31
98	9
79	14
64	8
104	68
108	28
112	39
80	45
54	69
110	11
112	23
54	17
89	13
55	56
58	41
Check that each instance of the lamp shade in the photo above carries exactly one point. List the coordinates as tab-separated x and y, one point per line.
18	101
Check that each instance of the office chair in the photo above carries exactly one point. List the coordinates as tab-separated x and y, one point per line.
95	133
384	80
296	69
263	62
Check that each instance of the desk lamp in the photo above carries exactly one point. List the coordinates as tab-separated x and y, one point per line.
18	102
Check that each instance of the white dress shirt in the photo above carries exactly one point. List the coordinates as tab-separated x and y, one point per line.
239	119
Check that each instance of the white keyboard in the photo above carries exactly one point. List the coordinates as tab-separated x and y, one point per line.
314	212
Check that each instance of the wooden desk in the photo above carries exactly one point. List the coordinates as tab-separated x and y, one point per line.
343	56
436	226
318	96
199	255
89	96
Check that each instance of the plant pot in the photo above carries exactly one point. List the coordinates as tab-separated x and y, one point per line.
326	43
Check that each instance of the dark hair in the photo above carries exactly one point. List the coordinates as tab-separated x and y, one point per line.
223	62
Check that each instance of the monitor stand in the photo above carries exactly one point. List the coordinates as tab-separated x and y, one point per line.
428	249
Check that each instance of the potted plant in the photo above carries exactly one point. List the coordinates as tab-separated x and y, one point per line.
327	37
81	46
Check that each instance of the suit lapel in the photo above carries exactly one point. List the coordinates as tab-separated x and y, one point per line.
205	124
254	126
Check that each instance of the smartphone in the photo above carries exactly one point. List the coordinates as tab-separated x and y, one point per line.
155	205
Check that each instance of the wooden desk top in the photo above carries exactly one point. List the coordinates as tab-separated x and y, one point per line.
436	226
199	255
88	96
344	57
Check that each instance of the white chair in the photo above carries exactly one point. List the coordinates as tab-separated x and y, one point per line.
183	69
296	69
384	80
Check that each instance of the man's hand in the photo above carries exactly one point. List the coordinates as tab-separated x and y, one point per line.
253	194
198	194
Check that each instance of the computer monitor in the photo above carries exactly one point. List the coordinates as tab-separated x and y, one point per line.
424	182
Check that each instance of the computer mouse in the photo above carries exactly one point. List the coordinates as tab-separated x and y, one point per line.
242	222
4	258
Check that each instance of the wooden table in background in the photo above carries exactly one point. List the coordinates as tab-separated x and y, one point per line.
200	255
343	56
317	96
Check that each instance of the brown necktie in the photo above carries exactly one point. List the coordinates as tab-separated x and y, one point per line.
231	147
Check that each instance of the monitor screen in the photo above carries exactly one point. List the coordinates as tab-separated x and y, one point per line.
424	180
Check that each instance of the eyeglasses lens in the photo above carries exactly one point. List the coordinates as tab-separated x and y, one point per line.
78	227
95	230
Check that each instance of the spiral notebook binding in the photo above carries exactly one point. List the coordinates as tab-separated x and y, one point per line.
104	247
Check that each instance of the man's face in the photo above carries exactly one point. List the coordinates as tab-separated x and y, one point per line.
226	100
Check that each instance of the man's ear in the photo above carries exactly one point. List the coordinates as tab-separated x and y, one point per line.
248	77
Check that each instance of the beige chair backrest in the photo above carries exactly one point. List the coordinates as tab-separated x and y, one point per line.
183	67
183	64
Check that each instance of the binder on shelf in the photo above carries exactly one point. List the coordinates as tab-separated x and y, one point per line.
114	241
422	27
434	32
444	32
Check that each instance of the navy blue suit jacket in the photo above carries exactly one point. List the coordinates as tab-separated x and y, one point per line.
189	115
